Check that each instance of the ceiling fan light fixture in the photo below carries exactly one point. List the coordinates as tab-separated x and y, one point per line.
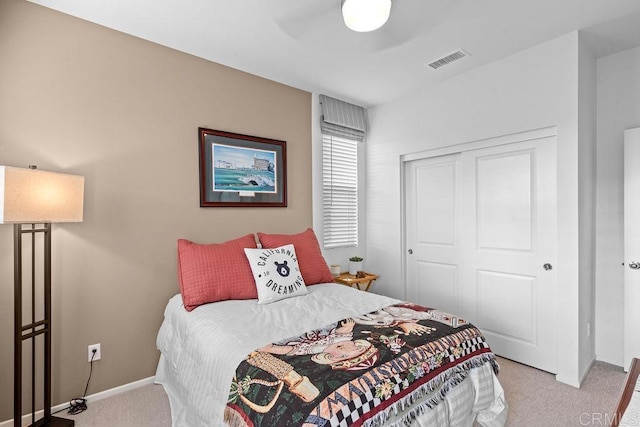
365	15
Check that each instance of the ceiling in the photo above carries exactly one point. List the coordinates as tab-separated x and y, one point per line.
304	43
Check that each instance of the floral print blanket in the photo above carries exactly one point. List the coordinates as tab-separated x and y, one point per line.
353	372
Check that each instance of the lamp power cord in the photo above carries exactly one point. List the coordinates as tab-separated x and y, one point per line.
79	404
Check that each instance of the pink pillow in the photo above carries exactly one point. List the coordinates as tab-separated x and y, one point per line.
215	272
313	267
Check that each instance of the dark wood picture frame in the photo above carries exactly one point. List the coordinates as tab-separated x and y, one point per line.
241	171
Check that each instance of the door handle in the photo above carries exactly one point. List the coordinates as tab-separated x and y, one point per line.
410	251
634	265
547	266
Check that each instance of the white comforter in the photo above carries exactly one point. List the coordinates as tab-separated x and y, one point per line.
200	350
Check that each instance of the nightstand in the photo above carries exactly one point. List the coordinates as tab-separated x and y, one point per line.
361	283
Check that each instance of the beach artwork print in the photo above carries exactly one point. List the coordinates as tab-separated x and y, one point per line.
243	169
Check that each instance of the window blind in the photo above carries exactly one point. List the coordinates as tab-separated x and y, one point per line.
342	119
339	191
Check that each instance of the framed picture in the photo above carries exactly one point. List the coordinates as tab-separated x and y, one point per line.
241	170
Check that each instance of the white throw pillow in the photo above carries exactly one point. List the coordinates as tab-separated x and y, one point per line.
276	273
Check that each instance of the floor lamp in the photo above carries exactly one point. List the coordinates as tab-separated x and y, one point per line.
31	200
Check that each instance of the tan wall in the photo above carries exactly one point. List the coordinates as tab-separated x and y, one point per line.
78	98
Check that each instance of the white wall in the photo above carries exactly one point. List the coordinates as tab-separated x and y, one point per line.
532	89
618	109
587	134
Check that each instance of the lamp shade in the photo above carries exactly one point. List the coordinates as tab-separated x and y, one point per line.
365	15
35	196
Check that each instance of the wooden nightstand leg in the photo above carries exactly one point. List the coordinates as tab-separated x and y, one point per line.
370	282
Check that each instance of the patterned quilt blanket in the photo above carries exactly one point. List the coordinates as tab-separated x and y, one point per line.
353	372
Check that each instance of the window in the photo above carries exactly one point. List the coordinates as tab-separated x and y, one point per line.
339	191
343	126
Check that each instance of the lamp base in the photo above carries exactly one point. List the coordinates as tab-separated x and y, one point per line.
53	422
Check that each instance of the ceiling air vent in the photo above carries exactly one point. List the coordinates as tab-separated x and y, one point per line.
448	59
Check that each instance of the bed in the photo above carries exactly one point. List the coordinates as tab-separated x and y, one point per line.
328	355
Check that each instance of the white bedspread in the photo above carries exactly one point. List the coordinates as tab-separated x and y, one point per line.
197	367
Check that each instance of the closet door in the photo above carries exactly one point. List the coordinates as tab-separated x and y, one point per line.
432	224
481	228
631	245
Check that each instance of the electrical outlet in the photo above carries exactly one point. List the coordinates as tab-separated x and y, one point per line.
97	356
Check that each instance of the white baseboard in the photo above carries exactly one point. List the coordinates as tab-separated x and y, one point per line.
610	360
566	380
571	381
26	419
586	371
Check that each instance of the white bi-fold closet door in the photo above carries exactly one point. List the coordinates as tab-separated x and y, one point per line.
481	239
